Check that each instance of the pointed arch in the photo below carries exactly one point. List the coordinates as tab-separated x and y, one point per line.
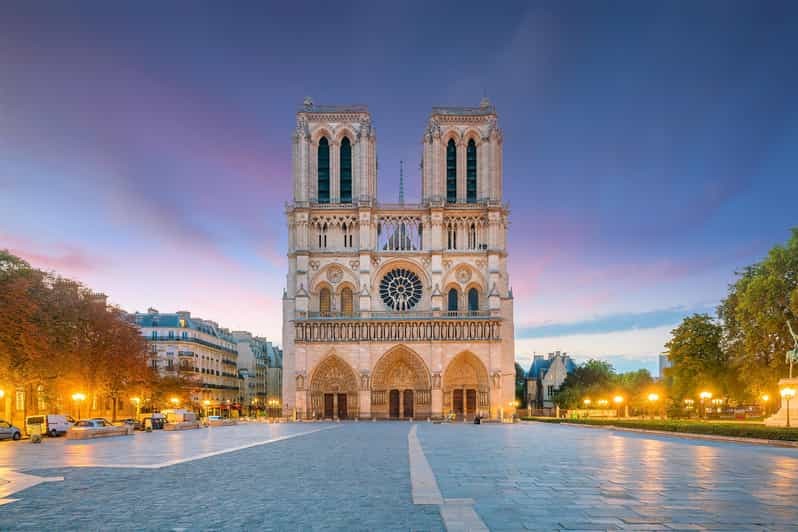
451	171
346	170
333	388
323	171
471	172
452	300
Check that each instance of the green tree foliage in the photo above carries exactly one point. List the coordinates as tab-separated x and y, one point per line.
755	315
596	379
698	360
520	384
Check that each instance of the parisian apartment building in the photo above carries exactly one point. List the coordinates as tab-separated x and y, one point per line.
227	372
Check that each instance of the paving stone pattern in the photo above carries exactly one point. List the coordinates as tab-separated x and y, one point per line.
355	476
547	477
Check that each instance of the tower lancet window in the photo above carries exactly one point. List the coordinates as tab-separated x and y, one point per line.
346	171
453	297
324	171
451	172
473	300
471	172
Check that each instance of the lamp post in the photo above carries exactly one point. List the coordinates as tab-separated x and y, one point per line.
765	399
137	401
653	398
618	400
175	401
205	403
688	405
77	398
704	396
787	394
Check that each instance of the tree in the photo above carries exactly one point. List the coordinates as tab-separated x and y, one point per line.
520	384
755	315
697	358
592	378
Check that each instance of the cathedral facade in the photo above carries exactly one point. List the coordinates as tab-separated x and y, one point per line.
397	310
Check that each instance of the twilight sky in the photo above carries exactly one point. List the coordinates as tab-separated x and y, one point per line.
650	147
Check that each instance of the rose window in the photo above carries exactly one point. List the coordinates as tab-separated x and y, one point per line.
400	289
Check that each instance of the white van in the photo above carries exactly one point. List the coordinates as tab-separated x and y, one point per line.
50	424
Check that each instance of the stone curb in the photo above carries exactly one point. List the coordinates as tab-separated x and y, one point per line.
686	435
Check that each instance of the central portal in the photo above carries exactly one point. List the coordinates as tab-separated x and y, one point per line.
400	385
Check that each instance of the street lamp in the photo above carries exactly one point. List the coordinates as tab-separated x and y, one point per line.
653	398
618	400
765	399
704	396
175	401
136	401
587	402
77	398
787	394
206	403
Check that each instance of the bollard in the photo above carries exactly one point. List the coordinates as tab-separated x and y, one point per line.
36	437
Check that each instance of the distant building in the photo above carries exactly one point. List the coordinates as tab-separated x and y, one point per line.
664	363
545	376
252	370
197	350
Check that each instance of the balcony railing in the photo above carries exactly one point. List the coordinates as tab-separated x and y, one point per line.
174	339
407	315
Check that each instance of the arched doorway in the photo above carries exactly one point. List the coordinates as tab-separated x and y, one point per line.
400	385
466	388
333	390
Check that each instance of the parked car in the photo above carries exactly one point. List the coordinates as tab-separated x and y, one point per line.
9	431
50	424
94	423
157	420
104	420
130	422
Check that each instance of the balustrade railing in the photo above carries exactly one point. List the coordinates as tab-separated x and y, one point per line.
387	315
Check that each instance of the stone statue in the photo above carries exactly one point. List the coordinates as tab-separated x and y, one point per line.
792	354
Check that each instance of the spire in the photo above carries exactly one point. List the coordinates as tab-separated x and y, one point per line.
401	182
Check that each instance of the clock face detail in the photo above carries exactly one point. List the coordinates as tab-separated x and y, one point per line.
400	289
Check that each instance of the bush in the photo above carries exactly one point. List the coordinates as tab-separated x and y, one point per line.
736	430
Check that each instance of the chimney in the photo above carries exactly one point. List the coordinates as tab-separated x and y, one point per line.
152	311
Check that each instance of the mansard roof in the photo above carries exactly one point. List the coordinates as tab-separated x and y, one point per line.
540	366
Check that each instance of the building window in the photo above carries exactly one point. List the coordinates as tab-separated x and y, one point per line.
324	171
324	302
346	301
154	363
471	172
453	297
473	300
347	230
184	335
154	335
451	233
346	171
20	400
472	236
170	364
451	172
171	334
549	391
323	237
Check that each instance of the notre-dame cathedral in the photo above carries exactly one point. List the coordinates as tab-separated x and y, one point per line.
397	310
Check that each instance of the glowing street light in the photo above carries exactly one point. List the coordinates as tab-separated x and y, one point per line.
787	394
78	398
2	393
704	396
653	398
587	402
765	399
136	401
175	401
603	402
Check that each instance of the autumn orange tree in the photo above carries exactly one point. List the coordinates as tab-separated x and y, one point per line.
57	335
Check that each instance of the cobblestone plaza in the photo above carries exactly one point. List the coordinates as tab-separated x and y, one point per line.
397	476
